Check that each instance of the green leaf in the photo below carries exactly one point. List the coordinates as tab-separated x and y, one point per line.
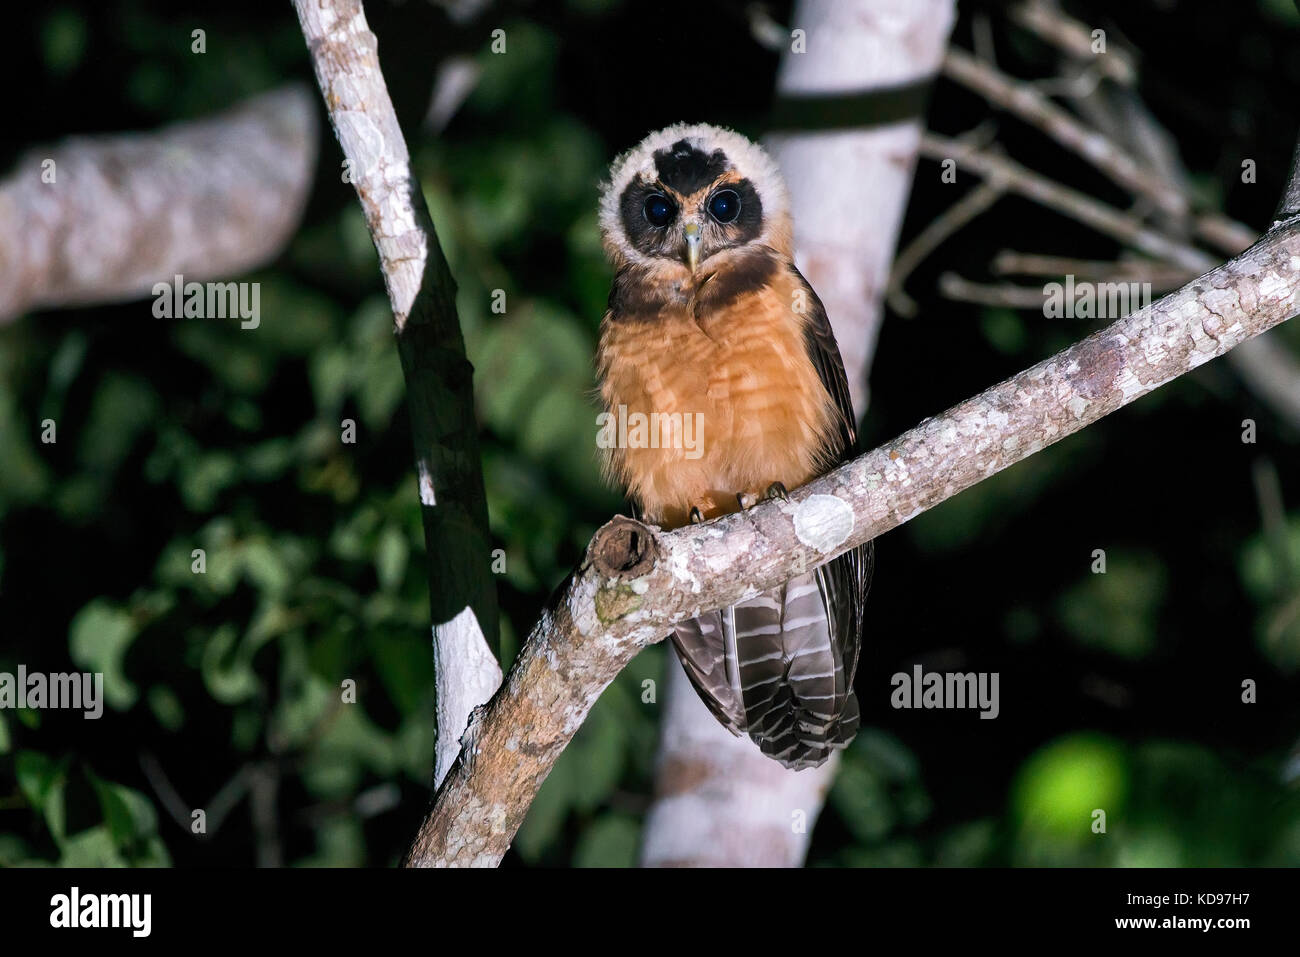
268	566
1058	788
93	847
124	407
352	735
64	40
611	841
1284	11
381	385
42	782
340	842
862	801
391	555
1266	560
1004	330
205	478
166	707
128	814
226	669
14	852
1117	610
270	459
330	372
100	635
967	845
886	755
598	750
547	813
300	710
25	476
405	666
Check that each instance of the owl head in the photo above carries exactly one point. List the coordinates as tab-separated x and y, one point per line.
688	192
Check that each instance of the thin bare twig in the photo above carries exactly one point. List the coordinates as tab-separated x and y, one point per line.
1161	276
1052	25
929	239
953	286
1070	202
1030	105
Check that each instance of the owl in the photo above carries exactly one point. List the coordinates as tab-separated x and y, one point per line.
719	368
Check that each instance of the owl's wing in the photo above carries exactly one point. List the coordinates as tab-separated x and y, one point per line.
845	580
824	353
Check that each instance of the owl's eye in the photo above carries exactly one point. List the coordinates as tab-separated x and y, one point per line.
725	205
658	209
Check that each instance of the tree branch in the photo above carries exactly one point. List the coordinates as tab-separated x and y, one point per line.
1266	367
438	376
1029	104
99	219
1011	263
1006	295
1033	107
637	582
952	219
1070	202
1052	25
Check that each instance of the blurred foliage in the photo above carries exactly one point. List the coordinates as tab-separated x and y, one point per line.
193	444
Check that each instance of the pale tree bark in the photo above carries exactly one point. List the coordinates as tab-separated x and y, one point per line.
103	218
718	800
636	582
438	376
849	187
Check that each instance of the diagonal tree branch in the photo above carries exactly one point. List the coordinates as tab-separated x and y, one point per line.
438	376
636	582
1169	194
1074	39
1034	186
1031	105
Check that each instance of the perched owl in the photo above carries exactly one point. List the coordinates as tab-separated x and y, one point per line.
719	366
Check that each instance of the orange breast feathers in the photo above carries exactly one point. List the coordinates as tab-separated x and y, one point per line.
708	386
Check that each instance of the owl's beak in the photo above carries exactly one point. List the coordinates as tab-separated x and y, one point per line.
692	233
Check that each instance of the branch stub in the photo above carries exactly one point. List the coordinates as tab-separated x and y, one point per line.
624	548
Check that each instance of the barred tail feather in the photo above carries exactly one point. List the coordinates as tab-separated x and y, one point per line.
779	666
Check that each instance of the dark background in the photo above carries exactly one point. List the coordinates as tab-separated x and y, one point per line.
1119	691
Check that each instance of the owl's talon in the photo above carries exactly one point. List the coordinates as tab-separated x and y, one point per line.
745	500
697	517
776	490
